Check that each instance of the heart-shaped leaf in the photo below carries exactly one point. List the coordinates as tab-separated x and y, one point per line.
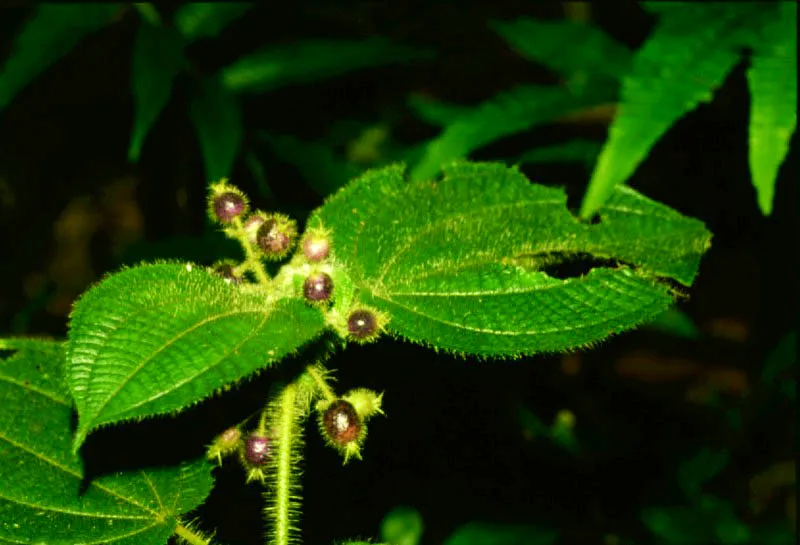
43	497
461	264
155	339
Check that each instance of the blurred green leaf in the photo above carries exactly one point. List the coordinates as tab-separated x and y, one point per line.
479	533
218	122
773	105
709	521
131	327
684	60
45	496
157	60
444	259
699	469
566	46
197	20
433	111
580	151
402	526
782	358
675	322
313	60
50	34
317	162
503	115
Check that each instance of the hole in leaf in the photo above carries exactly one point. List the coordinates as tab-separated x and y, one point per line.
563	265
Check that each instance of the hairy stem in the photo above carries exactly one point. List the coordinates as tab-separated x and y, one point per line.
284	498
190	537
315	372
252	261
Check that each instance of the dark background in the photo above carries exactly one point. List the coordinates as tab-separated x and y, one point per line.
73	209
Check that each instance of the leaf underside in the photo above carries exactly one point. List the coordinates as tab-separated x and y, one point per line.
43	497
157	338
459	264
686	58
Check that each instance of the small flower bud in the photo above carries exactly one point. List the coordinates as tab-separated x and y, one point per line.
225	444
316	247
276	236
341	423
226	202
227	270
318	287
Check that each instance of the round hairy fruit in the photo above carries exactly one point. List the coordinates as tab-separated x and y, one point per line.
341	423
318	287
228	272
362	324
276	237
228	206
252	224
316	248
257	449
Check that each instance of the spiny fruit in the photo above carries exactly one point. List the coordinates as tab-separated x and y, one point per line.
227	270
362	324
341	423
257	449
316	246
318	287
226	202
276	236
224	444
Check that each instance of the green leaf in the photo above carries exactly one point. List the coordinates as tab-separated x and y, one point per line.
324	171
675	322
581	151
779	362
157	60
198	20
157	338
566	46
686	58
772	78
311	61
701	468
505	114
43	498
218	122
402	526
435	112
457	264
711	520
478	533
48	36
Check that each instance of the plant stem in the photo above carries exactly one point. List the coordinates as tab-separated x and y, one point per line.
319	380
252	259
189	536
285	498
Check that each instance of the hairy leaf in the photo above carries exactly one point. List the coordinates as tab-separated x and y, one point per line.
157	338
566	46
686	58
773	107
48	36
44	498
217	120
461	264
507	113
157	59
313	60
478	533
197	20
